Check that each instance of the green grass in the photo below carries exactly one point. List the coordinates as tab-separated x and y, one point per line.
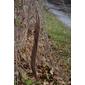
61	37
58	32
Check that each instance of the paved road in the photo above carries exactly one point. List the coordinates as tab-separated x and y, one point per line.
62	16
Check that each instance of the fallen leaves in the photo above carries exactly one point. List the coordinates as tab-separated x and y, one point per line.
51	65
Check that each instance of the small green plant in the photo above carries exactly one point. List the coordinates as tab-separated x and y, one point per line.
28	82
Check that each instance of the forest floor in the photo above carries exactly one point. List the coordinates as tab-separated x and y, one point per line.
59	38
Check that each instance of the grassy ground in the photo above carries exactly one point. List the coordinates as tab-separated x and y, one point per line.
61	36
59	33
